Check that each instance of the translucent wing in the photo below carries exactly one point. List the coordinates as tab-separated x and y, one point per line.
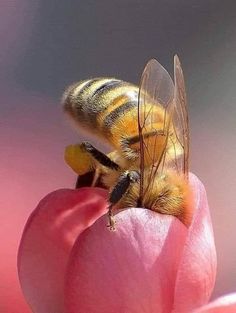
155	110
176	154
180	120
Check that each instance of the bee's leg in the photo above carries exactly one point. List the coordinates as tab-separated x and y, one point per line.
91	179
81	158
111	220
122	186
99	156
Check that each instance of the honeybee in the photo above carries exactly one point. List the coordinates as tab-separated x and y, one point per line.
148	129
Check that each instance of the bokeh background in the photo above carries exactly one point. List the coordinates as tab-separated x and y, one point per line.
46	45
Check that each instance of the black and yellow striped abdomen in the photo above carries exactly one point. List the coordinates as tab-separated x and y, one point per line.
107	107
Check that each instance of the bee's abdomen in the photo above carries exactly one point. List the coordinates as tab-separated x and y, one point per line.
96	103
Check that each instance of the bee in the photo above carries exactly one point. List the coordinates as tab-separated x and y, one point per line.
148	130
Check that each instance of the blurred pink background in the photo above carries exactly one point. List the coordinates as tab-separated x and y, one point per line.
46	46
29	138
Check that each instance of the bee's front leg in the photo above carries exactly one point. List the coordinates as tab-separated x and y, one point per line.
122	186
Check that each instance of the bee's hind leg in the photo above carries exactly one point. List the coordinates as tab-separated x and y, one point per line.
99	156
122	186
82	159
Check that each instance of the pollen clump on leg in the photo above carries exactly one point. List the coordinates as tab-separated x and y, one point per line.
78	159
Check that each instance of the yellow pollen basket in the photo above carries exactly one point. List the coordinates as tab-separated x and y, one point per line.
78	159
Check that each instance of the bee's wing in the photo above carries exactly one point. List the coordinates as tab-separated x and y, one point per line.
180	122
176	154
155	109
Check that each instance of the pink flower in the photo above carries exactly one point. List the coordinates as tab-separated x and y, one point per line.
225	304
70	262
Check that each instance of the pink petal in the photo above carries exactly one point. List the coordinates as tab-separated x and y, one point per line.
47	241
225	304
197	271
130	270
151	263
